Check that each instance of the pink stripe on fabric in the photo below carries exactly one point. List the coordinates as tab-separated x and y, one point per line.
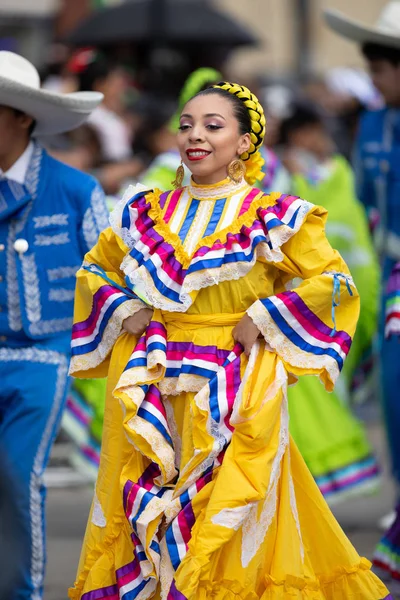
172	203
315	333
248	200
78	412
231	240
230	394
281	207
345	481
184	527
179	355
93	317
155	401
156	328
129	577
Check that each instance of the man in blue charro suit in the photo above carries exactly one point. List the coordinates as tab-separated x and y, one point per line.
50	216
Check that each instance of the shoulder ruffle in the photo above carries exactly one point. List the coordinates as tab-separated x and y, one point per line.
160	271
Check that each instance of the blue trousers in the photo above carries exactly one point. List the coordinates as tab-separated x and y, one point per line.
33	385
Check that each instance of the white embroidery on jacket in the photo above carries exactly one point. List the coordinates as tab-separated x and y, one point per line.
15	227
61	295
48	220
58	239
62	272
31	288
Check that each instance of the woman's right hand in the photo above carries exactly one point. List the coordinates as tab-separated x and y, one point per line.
137	323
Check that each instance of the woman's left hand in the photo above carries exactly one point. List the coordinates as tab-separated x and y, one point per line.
246	333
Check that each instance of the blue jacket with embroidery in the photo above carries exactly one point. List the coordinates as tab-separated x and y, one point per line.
60	212
378	176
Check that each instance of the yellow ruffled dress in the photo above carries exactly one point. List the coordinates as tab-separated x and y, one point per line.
201	493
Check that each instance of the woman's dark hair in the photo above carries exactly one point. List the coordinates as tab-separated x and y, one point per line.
239	108
301	117
378	52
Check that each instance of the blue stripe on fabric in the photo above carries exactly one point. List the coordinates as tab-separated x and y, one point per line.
191	213
156	346
215	263
219	206
190	370
147	497
136	362
295	338
172	548
126	219
150	418
213	401
184	499
394	294
89	347
278	223
152	270
338	487
134	593
345	472
155	546
141	556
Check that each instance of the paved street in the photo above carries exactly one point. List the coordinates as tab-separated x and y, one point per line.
68	510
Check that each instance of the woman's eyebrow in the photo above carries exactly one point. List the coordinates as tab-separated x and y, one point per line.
215	115
188	116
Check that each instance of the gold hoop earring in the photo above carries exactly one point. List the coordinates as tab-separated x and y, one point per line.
236	170
180	174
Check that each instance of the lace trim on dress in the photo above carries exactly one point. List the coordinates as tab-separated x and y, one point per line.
293	356
217	191
110	335
254	223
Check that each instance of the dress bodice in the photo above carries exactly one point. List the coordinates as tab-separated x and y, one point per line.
201	211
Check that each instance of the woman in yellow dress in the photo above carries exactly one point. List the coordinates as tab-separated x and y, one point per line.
201	305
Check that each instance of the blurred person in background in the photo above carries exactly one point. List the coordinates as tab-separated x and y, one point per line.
50	215
342	94
387	553
96	72
378	173
332	442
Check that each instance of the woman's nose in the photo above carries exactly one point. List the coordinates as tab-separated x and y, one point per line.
196	134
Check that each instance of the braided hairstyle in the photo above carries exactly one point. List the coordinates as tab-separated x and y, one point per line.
250	116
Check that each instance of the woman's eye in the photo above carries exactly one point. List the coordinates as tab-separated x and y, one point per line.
183	127
213	127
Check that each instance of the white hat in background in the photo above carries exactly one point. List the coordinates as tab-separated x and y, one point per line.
386	31
53	112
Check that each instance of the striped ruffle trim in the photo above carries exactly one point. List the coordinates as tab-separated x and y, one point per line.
160	271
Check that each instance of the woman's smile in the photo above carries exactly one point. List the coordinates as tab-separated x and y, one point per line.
197	153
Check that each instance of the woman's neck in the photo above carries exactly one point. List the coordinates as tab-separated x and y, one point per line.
210	179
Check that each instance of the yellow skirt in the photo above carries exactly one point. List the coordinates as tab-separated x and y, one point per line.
254	526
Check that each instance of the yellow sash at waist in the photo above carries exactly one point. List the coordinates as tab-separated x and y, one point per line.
185	321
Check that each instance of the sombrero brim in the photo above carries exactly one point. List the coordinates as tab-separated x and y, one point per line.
53	113
359	33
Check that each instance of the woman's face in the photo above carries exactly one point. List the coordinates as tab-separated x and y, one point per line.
209	138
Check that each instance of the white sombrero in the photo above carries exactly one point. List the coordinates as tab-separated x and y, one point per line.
386	32
53	113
